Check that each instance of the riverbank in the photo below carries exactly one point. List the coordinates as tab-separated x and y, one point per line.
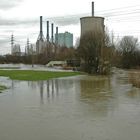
134	77
31	75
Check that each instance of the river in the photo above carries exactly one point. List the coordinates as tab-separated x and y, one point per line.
73	108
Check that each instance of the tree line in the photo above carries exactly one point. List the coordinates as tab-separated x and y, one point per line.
97	52
50	53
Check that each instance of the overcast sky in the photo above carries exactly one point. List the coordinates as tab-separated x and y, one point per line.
21	17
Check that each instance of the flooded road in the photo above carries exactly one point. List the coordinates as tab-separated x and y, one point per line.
73	108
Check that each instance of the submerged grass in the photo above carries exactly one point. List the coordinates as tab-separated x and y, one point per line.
31	75
2	87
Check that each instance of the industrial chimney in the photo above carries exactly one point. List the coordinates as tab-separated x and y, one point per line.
41	31
56	36
52	37
47	37
40	37
92	9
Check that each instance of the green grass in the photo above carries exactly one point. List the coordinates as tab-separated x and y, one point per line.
2	88
31	75
9	67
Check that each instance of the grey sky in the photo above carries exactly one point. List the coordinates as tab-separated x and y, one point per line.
13	22
21	17
62	20
6	4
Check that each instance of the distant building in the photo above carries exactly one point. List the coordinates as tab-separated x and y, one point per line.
16	50
65	39
56	63
40	46
30	49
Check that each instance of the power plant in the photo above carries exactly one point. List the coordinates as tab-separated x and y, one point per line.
57	46
88	24
92	30
42	43
92	23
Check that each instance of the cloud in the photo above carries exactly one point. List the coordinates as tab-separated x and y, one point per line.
15	22
7	4
60	21
4	45
3	40
67	20
64	21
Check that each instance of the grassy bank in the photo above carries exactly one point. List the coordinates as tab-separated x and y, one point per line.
2	88
30	75
134	78
9	67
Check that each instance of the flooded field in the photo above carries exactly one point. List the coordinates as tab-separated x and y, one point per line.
73	108
30	67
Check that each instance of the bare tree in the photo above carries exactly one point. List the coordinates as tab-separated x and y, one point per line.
128	46
89	50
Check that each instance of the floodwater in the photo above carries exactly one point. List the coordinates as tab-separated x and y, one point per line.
31	67
72	108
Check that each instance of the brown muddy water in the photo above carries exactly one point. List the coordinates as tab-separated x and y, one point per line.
73	108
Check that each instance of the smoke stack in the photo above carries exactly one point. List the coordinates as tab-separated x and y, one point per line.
56	36
52	33
47	31
56	30
41	33
92	9
40	37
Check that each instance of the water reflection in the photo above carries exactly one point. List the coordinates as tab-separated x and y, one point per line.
134	93
96	92
96	88
41	91
83	107
48	89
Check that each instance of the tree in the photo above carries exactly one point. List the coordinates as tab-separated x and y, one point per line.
89	50
127	47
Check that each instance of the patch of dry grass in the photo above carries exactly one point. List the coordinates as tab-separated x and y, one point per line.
134	78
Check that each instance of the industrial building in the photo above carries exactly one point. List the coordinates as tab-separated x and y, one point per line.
16	51
43	43
15	48
92	23
30	49
64	39
94	28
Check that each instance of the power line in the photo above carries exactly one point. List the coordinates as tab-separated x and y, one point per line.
126	7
